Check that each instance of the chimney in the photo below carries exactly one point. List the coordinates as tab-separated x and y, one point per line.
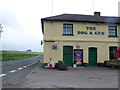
96	13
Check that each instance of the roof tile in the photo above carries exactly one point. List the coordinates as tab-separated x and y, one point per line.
83	18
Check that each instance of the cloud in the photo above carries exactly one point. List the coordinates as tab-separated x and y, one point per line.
7	18
20	31
14	40
21	18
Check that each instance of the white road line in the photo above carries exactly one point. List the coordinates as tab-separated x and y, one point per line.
25	66
19	68
2	75
13	71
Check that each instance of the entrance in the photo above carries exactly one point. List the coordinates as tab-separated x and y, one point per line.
68	55
92	56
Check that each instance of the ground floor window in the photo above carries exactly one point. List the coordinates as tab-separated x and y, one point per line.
112	52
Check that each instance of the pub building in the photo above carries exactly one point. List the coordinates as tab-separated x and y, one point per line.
91	39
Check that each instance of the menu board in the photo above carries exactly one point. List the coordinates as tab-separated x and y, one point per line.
78	55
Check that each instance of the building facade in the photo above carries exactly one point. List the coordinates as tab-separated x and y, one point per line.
90	39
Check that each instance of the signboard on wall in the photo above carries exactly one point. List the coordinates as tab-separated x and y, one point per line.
78	55
90	31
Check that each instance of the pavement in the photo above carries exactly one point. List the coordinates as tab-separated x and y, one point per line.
82	77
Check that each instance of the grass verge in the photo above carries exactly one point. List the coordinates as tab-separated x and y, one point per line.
13	55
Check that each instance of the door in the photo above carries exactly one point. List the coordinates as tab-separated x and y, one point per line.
92	56
68	55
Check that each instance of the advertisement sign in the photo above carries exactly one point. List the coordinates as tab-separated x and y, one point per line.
78	55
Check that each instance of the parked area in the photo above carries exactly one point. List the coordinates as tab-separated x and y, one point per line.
80	77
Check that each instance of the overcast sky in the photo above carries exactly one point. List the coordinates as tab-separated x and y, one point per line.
21	18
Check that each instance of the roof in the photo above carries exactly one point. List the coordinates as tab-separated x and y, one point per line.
96	18
83	18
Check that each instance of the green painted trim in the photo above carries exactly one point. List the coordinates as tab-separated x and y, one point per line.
79	65
67	35
91	56
45	64
113	46
100	64
113	59
70	56
86	64
113	36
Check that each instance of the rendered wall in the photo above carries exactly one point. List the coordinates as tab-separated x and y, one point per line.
54	30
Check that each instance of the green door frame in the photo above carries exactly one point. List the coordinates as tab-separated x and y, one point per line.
92	56
68	55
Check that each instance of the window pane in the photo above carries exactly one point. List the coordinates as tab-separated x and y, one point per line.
67	29
112	30
112	27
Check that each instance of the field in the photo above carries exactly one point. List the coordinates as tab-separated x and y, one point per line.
13	55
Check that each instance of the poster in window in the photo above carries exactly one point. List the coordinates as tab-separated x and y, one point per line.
78	55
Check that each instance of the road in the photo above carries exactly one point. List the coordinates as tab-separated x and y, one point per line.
15	71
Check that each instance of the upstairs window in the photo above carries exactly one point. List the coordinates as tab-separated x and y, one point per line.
112	31
68	29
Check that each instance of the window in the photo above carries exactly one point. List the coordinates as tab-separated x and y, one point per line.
112	52
54	46
67	29
112	31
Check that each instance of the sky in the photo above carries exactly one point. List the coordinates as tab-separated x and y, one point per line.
21	19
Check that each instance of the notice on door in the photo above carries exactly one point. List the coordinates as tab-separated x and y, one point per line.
78	55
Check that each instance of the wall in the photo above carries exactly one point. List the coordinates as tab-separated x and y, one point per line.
54	31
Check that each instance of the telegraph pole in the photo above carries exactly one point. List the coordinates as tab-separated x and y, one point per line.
52	7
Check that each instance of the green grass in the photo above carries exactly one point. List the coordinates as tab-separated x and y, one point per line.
13	55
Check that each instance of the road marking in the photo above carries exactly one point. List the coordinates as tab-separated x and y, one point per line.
2	75
25	66
19	68
34	63
13	71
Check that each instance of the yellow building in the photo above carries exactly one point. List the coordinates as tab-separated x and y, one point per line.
90	39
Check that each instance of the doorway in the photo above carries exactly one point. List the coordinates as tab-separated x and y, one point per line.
92	56
68	55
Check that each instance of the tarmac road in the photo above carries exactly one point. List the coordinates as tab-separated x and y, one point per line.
17	64
15	71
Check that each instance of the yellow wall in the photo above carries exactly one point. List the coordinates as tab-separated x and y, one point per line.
54	31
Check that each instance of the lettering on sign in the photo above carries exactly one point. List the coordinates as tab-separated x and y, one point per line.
90	31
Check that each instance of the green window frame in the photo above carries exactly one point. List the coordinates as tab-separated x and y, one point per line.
68	30
112	31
